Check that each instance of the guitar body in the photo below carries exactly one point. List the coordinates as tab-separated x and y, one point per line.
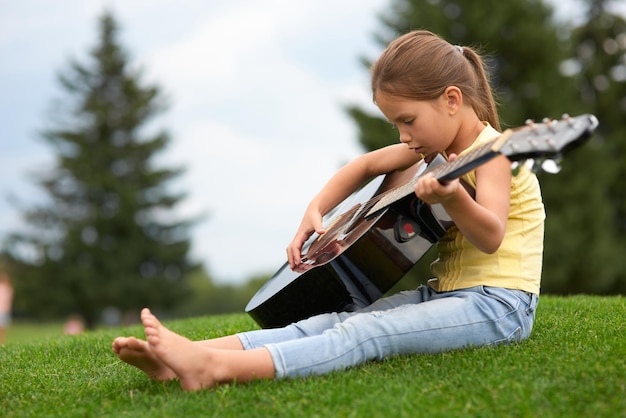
357	260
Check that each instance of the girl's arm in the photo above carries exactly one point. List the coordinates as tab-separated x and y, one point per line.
483	219
345	182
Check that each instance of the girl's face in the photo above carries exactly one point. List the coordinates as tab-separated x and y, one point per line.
425	126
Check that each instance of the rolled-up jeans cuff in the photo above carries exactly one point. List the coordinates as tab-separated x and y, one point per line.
277	358
245	341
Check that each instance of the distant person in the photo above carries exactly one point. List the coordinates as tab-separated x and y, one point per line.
487	277
74	325
6	303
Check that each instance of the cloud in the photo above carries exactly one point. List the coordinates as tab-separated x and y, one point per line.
267	131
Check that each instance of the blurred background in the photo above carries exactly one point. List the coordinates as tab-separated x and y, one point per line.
161	153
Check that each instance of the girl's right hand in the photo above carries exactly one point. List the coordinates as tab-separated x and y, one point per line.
311	222
347	180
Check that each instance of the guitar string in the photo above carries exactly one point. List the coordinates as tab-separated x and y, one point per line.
385	198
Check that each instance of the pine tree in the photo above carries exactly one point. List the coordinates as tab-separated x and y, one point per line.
107	235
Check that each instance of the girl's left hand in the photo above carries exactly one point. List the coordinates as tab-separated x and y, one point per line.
431	191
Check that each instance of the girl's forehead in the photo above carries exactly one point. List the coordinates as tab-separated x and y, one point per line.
389	100
396	108
393	101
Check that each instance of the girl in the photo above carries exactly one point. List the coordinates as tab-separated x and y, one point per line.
489	266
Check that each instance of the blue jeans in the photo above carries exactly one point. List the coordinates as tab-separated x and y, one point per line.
417	321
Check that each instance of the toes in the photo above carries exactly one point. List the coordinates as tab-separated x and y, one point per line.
135	344
151	333
146	313
153	340
148	319
128	343
118	344
152	326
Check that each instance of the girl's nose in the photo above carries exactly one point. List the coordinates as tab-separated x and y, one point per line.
404	137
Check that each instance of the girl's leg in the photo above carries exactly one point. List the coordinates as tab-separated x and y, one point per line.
139	353
317	324
445	321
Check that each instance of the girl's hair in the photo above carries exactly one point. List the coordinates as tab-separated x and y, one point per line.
420	65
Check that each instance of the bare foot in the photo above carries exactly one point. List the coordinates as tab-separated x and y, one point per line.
139	354
190	362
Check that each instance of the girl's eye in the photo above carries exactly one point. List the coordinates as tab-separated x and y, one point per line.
408	122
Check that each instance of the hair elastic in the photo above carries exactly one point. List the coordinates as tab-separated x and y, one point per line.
460	48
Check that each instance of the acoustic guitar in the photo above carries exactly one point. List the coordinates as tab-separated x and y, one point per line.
378	234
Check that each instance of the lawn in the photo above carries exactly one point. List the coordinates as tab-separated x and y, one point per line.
574	365
24	332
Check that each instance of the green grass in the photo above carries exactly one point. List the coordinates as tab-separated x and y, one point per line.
23	332
574	365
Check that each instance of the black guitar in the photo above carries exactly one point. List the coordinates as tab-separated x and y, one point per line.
379	233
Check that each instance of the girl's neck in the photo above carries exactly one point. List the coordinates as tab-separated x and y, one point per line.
468	132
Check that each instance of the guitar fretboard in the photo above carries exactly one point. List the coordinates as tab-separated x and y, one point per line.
443	173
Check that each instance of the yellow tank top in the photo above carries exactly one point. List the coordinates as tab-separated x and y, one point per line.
517	263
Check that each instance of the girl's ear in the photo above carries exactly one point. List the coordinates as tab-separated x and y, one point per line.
454	99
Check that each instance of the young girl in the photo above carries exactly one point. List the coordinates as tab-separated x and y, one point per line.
489	266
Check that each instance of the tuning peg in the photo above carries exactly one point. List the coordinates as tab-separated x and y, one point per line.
528	163
551	125
515	167
533	165
568	120
551	165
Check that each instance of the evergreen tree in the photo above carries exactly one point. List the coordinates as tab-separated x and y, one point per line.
106	237
524	47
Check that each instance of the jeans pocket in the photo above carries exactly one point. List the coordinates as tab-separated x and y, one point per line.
504	296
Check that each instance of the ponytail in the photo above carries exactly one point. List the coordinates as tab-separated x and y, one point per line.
484	104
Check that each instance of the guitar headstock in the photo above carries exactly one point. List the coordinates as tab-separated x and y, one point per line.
543	144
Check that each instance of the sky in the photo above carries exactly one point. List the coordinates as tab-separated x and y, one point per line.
257	93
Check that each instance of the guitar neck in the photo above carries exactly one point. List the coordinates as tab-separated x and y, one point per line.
444	172
467	162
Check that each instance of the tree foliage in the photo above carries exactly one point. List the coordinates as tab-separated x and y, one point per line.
588	226
543	68
106	235
210	298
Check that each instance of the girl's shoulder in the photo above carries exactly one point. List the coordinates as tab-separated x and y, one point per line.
486	135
